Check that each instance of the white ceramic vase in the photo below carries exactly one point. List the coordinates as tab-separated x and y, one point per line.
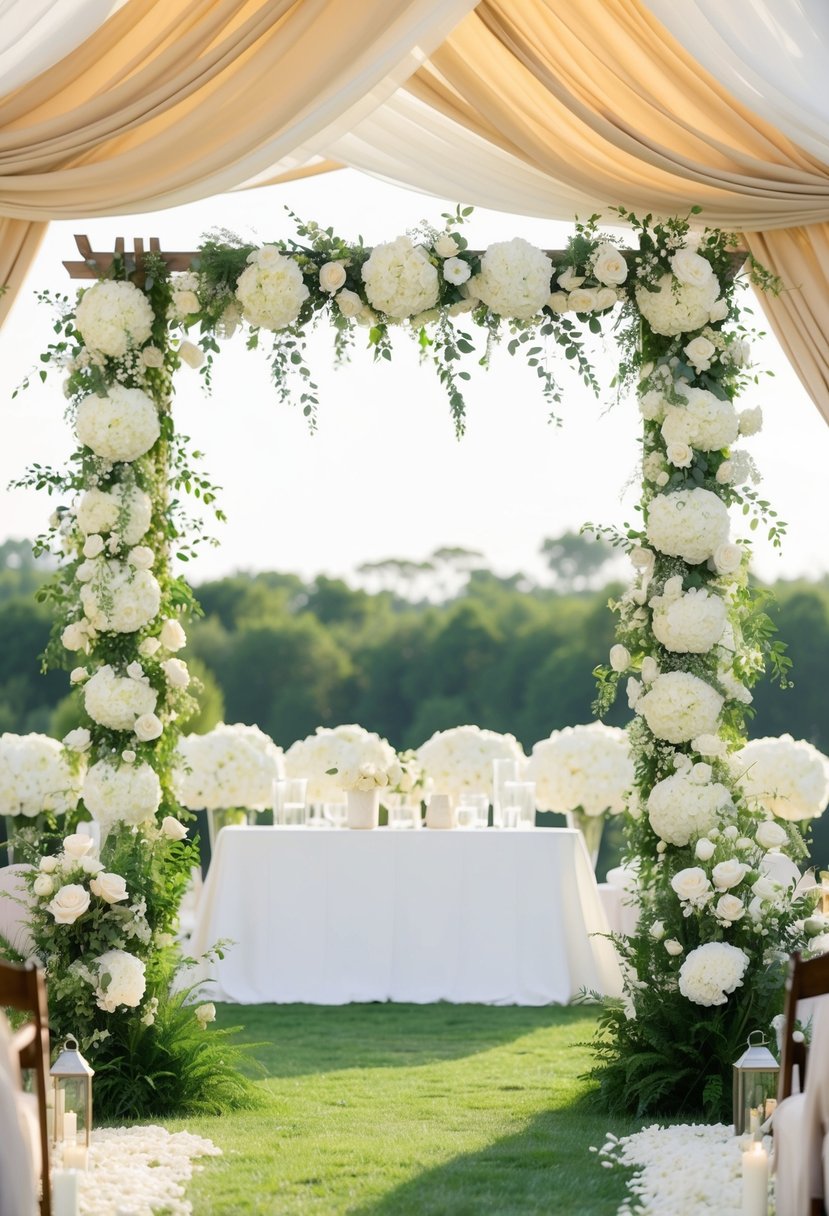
440	813
363	808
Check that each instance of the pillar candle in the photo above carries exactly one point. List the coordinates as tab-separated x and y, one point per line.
65	1193
755	1181
70	1127
75	1157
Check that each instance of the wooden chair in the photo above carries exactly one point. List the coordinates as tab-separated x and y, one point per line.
807	978
24	990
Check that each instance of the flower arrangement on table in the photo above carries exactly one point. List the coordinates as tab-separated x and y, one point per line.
332	754
229	769
459	761
39	780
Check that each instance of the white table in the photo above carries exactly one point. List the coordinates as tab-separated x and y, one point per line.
329	917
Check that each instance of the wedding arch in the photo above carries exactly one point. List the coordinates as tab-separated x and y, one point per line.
715	922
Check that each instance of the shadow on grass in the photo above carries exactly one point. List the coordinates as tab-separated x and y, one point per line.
299	1040
545	1168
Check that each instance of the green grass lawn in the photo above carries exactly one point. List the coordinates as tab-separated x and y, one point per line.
412	1110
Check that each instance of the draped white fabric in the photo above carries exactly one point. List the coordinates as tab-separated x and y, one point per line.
772	55
35	34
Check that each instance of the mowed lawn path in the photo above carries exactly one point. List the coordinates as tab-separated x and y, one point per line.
412	1110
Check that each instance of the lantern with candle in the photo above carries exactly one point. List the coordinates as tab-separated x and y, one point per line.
755	1075
72	1105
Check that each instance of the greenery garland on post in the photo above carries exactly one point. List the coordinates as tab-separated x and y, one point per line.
716	916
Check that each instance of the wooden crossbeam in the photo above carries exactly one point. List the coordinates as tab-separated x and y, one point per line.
98	265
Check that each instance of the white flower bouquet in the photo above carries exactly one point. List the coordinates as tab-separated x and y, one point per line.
587	768
331	755
788	777
230	766
459	761
36	776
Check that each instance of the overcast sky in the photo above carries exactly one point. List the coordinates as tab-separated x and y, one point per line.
384	475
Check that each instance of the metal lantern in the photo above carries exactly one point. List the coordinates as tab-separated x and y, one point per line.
755	1085
72	1104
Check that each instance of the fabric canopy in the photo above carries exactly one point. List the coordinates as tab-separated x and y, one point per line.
533	106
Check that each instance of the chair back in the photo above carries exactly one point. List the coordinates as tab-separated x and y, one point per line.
807	978
24	990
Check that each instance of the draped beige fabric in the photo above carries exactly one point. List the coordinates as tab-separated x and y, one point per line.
174	100
600	97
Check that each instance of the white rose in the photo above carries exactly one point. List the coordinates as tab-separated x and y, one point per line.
650	670
176	672
69	903
148	647
75	636
767	890
151	356
93	546
349	303
606	297
78	675
206	1013
558	302
172	828
91	865
699	353
48	865
141	557
43	885
445	246
657	930
673	946
691	268
727	558
456	270
77	846
729	873
633	690
78	740
172	636
191	354
770	835
691	883
185	303
332	277
704	849
609	265
730	908
681	455
111	888
582	299
643	559
128	756
701	773
569	280
619	658
147	727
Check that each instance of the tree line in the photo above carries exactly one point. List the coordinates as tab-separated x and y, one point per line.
407	654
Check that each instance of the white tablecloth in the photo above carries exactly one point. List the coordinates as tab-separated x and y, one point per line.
329	917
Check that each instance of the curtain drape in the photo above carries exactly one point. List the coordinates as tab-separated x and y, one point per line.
174	100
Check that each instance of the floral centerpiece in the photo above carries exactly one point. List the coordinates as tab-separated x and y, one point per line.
39	780
787	778
229	769
459	761
332	755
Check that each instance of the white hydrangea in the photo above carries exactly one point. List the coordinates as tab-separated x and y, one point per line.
118	598
712	972
582	767
788	777
35	776
691	624
705	421
116	701
126	793
121	980
114	317
230	766
126	510
121	426
515	278
679	706
678	308
459	761
680	809
400	280
271	289
690	524
343	749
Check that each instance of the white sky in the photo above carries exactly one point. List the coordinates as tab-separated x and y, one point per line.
384	475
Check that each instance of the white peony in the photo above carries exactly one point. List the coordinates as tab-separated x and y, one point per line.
691	624
114	317
399	278
230	766
129	794
515	279
126	510
788	778
121	980
679	706
341	748
679	809
116	701
271	289
585	768
712	972
705	421
690	524
121	426
120	599
459	761
35	776
678	308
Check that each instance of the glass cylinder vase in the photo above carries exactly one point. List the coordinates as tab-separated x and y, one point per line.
591	828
